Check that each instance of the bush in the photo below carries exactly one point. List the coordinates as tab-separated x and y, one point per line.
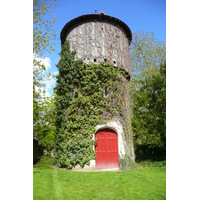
127	163
149	163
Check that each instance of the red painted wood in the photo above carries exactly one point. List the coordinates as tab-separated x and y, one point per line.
106	149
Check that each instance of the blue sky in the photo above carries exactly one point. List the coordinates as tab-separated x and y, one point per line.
139	15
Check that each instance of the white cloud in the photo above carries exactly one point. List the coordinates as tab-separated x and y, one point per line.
49	84
55	73
46	61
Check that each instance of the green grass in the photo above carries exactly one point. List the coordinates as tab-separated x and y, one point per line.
142	183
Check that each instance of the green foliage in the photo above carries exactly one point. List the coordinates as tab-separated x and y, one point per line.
148	90
86	96
46	125
147	53
43	30
127	163
149	116
45	162
43	117
149	163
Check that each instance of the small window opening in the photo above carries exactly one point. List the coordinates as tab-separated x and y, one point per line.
114	62
102	29
106	91
95	60
105	60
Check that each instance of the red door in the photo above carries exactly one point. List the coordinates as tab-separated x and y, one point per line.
106	149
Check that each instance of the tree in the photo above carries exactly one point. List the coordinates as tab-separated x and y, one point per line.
148	96
147	54
149	117
43	33
46	134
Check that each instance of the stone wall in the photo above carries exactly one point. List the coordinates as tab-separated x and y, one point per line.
101	42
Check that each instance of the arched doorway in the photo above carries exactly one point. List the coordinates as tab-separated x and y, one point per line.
106	149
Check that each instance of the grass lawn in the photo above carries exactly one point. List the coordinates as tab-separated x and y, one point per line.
142	183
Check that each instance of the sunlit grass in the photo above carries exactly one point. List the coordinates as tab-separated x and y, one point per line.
143	183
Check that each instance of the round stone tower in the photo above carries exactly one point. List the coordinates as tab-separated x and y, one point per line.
100	38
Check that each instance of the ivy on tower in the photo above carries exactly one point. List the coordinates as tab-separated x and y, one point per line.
86	95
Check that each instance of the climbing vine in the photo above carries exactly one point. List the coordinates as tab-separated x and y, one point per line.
86	95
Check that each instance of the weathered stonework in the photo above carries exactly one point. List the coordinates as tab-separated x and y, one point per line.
100	42
99	38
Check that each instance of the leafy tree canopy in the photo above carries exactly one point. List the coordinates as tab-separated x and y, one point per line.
149	117
148	91
42	33
147	54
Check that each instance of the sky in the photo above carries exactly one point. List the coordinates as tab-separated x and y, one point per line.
139	15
